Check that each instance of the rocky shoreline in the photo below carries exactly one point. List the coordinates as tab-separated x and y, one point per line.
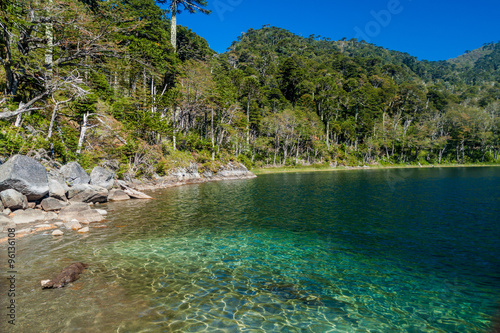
34	198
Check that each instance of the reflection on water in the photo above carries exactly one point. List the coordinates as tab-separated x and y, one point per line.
364	251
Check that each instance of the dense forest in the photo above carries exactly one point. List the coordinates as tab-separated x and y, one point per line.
101	82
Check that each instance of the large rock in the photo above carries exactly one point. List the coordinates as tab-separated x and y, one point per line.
102	177
13	199
74	174
117	195
57	189
28	216
25	175
235	170
80	212
87	193
51	204
187	173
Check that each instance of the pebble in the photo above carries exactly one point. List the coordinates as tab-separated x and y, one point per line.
57	233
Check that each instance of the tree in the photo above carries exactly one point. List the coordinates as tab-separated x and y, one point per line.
192	6
31	80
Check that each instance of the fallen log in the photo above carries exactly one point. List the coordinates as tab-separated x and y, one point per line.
68	274
131	192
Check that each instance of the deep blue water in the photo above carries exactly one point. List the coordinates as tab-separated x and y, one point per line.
409	250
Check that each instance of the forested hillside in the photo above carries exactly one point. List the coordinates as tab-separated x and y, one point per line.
100	82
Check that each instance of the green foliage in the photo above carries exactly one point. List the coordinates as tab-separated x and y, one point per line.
100	86
274	98
10	141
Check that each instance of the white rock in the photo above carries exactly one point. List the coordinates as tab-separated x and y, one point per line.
44	282
45	225
57	233
102	211
84	230
73	225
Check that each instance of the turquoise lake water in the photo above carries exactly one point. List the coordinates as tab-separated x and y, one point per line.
409	250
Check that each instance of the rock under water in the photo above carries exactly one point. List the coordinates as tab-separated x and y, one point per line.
68	274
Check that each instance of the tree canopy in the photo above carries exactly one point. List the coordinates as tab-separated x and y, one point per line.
101	80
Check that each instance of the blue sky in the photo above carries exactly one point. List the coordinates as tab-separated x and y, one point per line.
431	30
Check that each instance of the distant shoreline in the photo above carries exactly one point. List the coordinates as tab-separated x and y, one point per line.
300	169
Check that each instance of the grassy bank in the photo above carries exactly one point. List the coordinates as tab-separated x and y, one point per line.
320	168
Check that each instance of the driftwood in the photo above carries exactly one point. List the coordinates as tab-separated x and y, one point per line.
131	192
68	274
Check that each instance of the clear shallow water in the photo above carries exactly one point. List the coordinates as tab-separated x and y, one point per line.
358	251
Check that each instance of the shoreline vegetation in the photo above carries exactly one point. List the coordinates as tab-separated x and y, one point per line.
314	168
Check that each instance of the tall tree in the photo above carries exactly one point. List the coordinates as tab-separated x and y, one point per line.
176	7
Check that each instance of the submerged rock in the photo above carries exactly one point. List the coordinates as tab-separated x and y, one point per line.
25	175
28	216
68	274
80	212
84	230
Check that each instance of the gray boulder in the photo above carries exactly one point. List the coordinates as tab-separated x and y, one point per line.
51	204
57	189
117	195
25	175
235	170
74	174
87	193
56	174
13	200
102	177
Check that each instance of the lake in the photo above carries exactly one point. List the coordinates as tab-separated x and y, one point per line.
401	250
